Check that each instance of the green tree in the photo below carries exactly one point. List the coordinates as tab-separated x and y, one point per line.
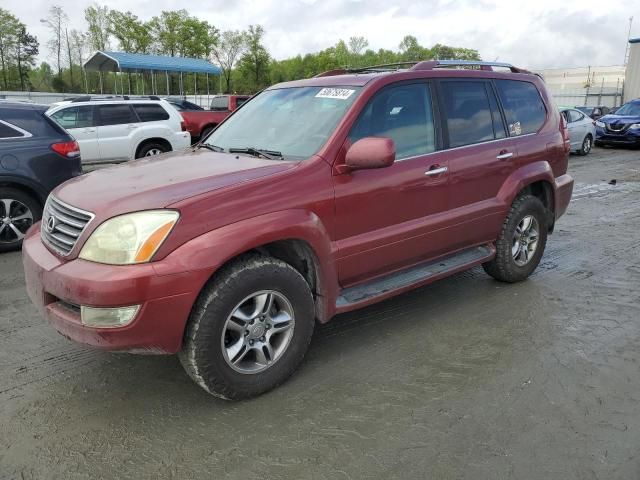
26	53
132	34
229	48
167	31
255	61
97	18
56	21
10	28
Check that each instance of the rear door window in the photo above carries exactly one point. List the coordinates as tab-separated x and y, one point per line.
240	102
523	106
150	112
402	113
468	113
575	116
115	115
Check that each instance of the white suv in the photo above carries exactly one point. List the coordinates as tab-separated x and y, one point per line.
121	128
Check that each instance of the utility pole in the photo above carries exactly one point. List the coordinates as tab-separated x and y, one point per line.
626	48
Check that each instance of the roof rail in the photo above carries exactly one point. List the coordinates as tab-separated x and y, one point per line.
423	65
433	64
97	98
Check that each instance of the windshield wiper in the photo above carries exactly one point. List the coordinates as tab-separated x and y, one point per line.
208	146
258	152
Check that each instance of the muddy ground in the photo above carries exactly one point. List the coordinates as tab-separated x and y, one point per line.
467	378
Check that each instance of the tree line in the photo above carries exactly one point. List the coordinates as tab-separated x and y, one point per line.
247	66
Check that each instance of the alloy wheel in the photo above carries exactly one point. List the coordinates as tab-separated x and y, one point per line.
153	151
525	240
15	220
258	332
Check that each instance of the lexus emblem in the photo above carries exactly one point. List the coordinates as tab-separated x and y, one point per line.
51	224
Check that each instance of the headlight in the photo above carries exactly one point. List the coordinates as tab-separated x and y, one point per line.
634	126
131	238
599	124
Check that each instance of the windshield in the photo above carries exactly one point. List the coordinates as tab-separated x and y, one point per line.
632	109
294	122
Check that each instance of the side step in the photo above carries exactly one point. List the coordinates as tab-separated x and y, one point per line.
420	274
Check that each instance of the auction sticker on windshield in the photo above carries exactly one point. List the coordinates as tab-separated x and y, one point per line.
338	93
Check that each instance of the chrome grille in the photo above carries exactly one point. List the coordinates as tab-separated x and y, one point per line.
616	127
62	225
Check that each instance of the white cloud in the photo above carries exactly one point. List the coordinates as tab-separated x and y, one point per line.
540	33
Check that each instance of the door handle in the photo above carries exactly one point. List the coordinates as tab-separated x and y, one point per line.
90	130
436	171
132	126
504	155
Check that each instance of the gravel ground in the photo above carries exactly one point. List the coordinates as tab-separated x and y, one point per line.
467	378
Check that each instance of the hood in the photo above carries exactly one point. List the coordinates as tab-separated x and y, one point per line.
157	182
613	118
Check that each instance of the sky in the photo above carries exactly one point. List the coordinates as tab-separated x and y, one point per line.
532	34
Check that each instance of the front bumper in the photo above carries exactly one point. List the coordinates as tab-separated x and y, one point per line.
630	137
166	299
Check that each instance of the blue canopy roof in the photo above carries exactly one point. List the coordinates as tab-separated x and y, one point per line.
130	62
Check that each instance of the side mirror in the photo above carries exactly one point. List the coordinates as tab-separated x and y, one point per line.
371	152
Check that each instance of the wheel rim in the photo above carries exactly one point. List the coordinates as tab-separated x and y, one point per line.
258	332
586	145
15	220
525	240
152	152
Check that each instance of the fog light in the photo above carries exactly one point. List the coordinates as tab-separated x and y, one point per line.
108	317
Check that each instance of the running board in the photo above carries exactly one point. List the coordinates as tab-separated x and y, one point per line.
411	277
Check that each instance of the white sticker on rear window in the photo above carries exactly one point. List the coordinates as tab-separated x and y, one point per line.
515	129
337	93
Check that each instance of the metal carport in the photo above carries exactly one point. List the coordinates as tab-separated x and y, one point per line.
122	62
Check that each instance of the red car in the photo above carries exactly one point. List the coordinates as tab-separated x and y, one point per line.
200	122
320	196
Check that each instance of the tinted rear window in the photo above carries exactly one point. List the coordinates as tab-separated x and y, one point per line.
30	120
220	103
468	113
115	115
522	106
75	117
150	112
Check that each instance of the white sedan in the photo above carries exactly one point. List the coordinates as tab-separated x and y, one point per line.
582	130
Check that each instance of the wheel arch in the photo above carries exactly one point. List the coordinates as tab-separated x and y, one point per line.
146	141
300	240
536	179
30	188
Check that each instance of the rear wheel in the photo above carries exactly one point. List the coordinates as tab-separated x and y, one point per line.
587	143
18	211
205	133
521	243
249	329
152	148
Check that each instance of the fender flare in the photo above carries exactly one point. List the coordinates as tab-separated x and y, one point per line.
26	183
214	249
524	176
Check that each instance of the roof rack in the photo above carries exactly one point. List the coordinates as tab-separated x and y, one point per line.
96	98
423	65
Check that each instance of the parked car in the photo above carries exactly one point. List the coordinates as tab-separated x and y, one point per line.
621	128
319	196
613	110
36	155
121	128
594	112
181	104
582	130
199	122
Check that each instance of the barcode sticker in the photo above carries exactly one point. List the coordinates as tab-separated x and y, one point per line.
337	93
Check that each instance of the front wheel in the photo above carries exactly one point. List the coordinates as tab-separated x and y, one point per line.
521	243
250	328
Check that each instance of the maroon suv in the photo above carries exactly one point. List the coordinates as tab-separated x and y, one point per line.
318	197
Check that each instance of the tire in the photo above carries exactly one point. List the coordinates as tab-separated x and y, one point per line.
508	266
24	211
152	148
586	146
205	133
211	335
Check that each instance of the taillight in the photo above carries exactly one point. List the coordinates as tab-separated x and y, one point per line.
67	149
183	126
565	134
